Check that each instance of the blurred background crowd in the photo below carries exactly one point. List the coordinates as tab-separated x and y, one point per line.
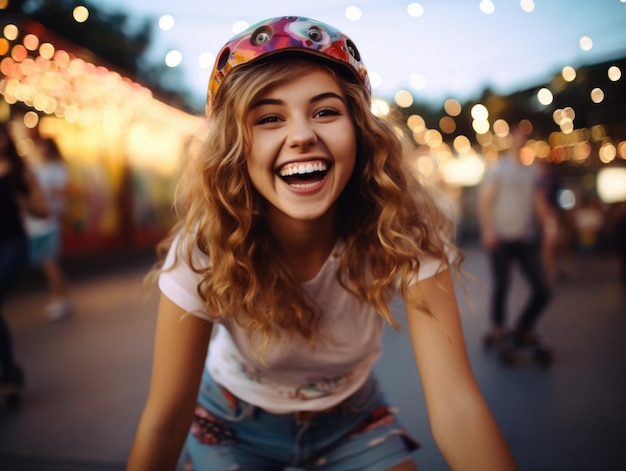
86	77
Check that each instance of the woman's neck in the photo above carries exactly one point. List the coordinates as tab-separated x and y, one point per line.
305	245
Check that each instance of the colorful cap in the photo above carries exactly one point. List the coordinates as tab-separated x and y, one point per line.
287	33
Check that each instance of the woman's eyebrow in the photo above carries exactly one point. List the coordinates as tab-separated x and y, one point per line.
323	96
314	99
266	101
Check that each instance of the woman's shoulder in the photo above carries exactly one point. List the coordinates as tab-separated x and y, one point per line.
184	247
180	274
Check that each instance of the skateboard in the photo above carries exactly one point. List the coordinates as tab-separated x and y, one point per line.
512	350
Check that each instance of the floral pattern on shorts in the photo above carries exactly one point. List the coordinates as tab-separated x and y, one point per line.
209	430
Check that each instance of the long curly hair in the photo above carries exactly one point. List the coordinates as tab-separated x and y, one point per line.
388	219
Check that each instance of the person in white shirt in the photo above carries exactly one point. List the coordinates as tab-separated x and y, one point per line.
515	222
44	234
300	222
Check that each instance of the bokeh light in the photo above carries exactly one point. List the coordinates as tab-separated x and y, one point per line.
10	32
416	123
487	7
568	73
173	58
585	43
353	13
447	125
611	184
614	73
166	22
415	10
452	107
597	95
206	60
80	14
527	5
479	112
566	199
544	96
403	98
417	81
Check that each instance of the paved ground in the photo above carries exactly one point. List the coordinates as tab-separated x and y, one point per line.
88	376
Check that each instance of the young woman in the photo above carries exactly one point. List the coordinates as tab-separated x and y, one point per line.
299	223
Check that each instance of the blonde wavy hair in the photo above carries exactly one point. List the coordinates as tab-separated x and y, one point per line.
387	218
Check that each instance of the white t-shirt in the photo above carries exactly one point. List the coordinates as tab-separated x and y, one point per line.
292	375
53	178
514	208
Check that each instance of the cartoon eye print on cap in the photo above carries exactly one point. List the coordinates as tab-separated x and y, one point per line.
261	36
307	31
315	34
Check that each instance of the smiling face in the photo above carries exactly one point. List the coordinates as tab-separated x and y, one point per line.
302	148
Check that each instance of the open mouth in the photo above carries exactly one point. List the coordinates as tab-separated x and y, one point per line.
303	174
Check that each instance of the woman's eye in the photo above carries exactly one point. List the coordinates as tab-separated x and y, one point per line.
267	119
327	112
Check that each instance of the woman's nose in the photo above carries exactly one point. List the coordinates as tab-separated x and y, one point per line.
301	134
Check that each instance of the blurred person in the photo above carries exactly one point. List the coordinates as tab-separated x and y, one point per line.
19	194
619	234
44	234
589	222
550	183
299	223
515	223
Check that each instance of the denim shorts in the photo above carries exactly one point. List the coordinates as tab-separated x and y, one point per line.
360	434
44	246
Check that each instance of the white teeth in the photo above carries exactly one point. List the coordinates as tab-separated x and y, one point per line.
303	186
302	168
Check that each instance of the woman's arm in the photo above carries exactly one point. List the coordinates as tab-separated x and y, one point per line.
462	425
180	350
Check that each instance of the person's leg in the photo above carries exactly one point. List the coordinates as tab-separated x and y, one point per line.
529	258
59	306
13	257
500	259
56	279
7	360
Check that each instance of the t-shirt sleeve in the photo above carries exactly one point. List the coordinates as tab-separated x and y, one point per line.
179	282
430	266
